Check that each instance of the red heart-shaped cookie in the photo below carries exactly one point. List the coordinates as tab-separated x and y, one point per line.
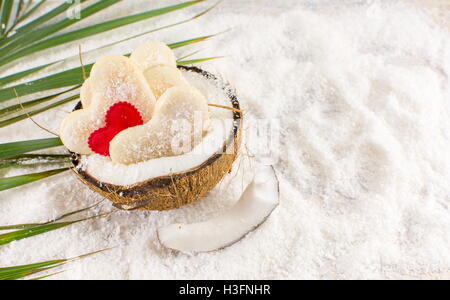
119	117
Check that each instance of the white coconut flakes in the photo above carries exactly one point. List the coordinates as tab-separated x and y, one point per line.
362	96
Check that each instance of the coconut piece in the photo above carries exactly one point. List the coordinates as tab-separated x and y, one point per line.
153	53
256	204
114	78
161	78
173	130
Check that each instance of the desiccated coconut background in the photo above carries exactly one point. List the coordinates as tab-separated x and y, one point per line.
362	93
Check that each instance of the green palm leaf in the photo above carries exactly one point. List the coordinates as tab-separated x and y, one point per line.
9	150
14	77
36	35
18	272
25	15
37	111
26	233
41	229
19	9
16	181
32	160
44	276
196	61
69	77
81	33
15	275
7	7
9	271
24	30
27	115
19	75
30	225
7	111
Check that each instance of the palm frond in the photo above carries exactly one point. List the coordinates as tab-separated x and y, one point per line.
19	8
31	225
25	15
36	23
33	160
13	50
10	110
70	77
37	111
7	8
29	232
16	181
17	76
19	272
188	55
22	74
41	229
80	33
198	60
26	115
9	150
45	276
17	19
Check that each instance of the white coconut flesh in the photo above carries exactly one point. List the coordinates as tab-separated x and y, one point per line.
255	205
221	126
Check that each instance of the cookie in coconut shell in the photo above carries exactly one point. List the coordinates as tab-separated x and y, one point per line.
170	182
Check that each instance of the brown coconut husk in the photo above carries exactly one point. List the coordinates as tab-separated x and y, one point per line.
174	190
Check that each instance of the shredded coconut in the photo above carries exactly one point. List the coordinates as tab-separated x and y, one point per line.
361	92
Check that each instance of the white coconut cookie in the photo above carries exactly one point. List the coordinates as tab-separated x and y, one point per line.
114	78
153	53
161	78
86	93
180	119
159	65
120	89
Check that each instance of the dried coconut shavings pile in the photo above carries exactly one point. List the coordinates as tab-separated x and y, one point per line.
362	96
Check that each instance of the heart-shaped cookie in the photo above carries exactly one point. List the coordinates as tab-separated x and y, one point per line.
161	78
119	101
120	116
158	63
114	78
153	53
181	114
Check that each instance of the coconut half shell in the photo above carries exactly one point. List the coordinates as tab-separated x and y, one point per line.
173	190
